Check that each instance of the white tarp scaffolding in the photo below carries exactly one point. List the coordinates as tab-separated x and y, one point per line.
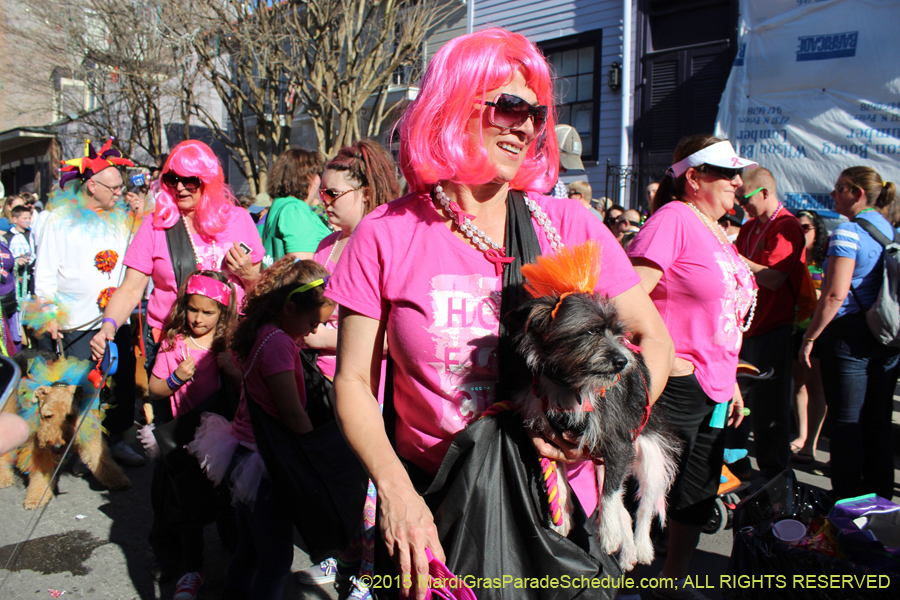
814	89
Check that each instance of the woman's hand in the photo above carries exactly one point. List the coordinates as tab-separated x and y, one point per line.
186	369
98	344
407	526
805	350
550	444
240	263
736	409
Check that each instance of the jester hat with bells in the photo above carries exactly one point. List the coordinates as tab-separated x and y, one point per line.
92	163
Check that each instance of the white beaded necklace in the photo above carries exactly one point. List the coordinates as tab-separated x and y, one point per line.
194	246
206	348
494	253
728	254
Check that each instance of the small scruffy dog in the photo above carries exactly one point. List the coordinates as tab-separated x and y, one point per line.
57	414
591	387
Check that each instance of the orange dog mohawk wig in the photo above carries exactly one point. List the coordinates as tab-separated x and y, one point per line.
568	271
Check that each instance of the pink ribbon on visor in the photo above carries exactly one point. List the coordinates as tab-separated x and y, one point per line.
209	287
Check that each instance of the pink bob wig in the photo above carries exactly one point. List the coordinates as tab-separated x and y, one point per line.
434	142
192	158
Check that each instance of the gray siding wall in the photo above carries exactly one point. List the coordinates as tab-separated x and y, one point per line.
551	19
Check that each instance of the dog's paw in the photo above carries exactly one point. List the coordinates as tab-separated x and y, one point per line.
32	503
644	549
6	479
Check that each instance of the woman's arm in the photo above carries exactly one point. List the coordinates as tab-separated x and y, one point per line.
837	285
123	301
325	338
407	524
650	333
283	388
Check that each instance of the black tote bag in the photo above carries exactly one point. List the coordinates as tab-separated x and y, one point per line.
488	498
316	476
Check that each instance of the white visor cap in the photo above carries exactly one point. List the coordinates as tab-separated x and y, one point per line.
720	154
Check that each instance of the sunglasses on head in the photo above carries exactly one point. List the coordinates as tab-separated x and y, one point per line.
511	112
729	174
746	199
172	180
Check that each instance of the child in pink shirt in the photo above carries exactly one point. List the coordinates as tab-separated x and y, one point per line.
186	373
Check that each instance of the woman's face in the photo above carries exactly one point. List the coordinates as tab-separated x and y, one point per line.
809	230
312	196
717	191
848	200
348	209
506	148
187	190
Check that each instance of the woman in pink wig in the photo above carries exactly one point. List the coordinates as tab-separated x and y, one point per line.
430	273
197	225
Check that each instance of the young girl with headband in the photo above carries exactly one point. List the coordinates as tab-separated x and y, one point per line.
285	305
188	370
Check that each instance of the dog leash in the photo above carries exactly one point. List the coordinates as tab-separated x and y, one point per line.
109	363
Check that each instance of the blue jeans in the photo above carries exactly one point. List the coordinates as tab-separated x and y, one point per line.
859	375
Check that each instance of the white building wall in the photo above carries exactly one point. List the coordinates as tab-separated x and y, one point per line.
551	19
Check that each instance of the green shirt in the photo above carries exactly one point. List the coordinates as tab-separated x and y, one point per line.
291	226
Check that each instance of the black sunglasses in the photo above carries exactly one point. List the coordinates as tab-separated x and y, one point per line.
511	112
729	174
806	227
172	180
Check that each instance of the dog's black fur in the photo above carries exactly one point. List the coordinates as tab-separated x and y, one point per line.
580	356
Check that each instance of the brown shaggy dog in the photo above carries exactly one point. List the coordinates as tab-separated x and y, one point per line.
58	413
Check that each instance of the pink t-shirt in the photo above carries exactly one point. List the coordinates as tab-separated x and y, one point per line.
327	361
202	385
441	299
149	254
696	294
274	352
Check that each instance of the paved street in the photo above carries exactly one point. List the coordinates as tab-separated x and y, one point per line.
92	544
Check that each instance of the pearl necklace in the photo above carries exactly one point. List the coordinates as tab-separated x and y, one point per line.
494	253
206	348
762	235
737	286
194	246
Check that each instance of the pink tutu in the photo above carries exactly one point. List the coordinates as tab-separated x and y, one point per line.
214	447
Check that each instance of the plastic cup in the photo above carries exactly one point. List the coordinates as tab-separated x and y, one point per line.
789	531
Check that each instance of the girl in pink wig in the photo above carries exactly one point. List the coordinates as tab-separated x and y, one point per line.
430	271
197	225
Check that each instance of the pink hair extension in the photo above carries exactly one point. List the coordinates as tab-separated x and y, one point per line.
193	158
551	483
434	144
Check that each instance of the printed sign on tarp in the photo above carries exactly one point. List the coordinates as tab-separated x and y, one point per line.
814	89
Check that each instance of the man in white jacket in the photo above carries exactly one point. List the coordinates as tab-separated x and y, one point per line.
78	268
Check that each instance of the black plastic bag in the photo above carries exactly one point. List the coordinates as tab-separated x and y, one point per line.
492	516
786	571
316	476
798	573
782	497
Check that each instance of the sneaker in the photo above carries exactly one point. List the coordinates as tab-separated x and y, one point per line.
125	455
678	592
188	586
327	571
358	590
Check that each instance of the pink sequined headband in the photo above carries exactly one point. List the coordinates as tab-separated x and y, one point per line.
209	287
